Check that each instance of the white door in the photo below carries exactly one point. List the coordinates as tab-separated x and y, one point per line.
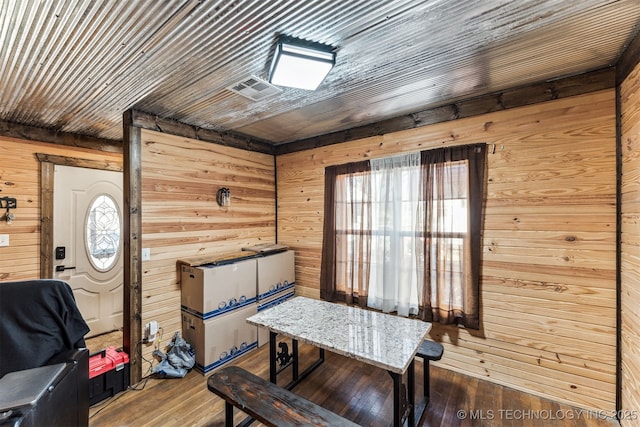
87	223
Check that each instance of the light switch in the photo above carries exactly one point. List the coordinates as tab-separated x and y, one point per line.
146	254
4	240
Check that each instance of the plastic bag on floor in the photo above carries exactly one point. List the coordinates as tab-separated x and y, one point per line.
178	360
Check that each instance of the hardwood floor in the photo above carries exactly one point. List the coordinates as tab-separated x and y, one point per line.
350	388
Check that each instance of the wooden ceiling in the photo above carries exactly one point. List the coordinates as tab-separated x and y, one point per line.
76	66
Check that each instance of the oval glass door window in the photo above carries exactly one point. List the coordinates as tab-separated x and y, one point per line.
102	230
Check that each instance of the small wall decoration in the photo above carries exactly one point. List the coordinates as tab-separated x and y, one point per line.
223	196
8	203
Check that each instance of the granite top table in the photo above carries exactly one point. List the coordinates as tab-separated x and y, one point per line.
383	340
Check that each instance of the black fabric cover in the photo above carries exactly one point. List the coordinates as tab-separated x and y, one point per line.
38	320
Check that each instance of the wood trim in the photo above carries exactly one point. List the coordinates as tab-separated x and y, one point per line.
629	59
512	98
618	252
132	231
47	163
173	127
46	218
31	133
108	165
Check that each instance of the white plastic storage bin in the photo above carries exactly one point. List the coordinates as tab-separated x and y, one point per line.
276	275
221	339
213	290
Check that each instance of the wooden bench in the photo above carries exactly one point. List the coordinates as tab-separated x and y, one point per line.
267	402
429	350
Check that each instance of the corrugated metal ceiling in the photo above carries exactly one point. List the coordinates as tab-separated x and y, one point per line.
77	65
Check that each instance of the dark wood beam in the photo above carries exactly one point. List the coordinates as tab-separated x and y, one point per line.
108	165
512	98
46	219
132	232
629	59
174	127
31	133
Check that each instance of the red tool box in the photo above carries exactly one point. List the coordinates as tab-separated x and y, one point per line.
108	374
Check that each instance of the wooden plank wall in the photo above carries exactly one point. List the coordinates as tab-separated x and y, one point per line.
630	247
181	219
549	245
20	178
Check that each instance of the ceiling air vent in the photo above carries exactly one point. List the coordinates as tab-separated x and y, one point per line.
254	88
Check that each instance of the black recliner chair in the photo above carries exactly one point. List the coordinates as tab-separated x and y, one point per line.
44	367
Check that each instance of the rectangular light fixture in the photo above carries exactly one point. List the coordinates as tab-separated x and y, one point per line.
301	64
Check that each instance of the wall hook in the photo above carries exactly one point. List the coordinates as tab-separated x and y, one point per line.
8	203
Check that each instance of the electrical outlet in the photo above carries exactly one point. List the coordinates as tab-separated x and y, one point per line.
4	240
150	331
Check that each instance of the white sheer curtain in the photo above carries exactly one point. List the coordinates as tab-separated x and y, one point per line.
395	188
353	224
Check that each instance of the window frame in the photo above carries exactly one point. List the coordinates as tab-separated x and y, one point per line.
474	158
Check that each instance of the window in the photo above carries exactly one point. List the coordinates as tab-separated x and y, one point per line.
402	234
102	233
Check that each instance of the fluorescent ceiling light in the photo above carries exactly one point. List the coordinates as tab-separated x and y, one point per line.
301	64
